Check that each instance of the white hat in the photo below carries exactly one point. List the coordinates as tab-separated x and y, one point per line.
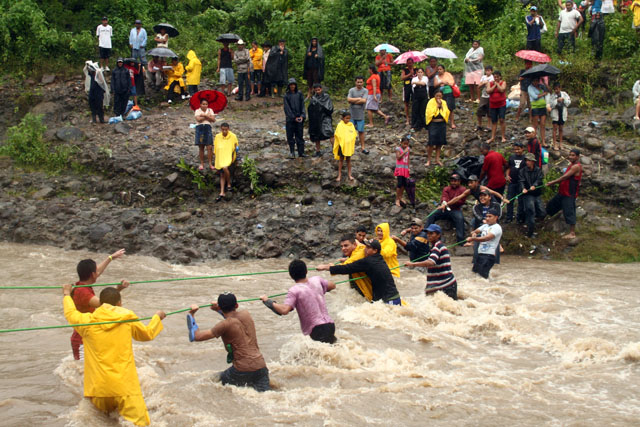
240	41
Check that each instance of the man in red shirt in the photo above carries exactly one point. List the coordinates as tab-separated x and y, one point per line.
567	193
451	211
383	62
84	298
493	168
533	146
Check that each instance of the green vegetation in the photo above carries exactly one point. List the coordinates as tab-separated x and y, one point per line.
250	171
429	189
200	180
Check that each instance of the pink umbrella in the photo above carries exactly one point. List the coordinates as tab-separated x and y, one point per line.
533	55
412	54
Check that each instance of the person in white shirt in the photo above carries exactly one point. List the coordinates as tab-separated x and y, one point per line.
104	33
568	22
488	235
483	106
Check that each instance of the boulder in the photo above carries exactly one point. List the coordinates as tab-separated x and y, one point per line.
313	237
634	156
97	232
159	228
365	204
593	143
169	180
43	193
50	111
48	79
192	253
69	134
620	162
269	250
237	252
182	217
210	233
122	128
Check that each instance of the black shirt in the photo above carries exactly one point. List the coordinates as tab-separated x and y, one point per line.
225	58
515	163
374	266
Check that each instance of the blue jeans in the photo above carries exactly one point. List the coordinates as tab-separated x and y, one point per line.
532	208
243	86
455	216
139	54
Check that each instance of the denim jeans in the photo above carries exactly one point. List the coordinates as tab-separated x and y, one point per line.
455	216
139	54
513	190
563	38
532	208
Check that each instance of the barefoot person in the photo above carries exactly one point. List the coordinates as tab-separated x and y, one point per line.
238	334
357	98
344	144
401	171
110	376
567	193
205	117
374	97
307	298
436	118
497	105
225	147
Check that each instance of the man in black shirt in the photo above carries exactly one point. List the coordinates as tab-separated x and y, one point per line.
516	163
531	181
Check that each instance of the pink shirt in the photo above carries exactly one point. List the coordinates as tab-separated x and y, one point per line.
308	299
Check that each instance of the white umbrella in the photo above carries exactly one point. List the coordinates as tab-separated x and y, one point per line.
388	47
439	52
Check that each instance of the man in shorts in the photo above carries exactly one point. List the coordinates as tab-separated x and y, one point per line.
483	106
307	298
567	193
225	68
488	235
104	33
357	98
384	62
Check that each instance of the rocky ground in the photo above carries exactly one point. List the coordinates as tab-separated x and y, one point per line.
124	188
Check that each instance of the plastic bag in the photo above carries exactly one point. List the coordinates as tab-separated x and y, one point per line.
456	91
129	107
134	115
114	120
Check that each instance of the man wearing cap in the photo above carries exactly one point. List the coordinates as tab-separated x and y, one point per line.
439	274
451	206
138	42
242	58
488	235
418	245
474	189
120	87
376	268
493	168
516	162
567	193
535	25
480	212
307	298
533	146
238	334
104	33
531	182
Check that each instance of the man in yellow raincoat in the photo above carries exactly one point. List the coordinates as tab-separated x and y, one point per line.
194	69
110	376
175	82
389	249
354	250
344	143
225	146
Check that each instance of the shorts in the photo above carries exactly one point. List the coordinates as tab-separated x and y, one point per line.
483	264
131	408
226	76
132	91
385	79
358	124
204	135
483	107
259	379
407	93
538	111
373	104
324	333
342	156
558	122
256	76
105	52
497	113
402	181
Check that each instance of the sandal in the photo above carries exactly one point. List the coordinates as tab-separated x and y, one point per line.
192	326
201	168
219	198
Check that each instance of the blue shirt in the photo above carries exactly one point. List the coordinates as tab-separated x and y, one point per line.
596	7
533	28
138	40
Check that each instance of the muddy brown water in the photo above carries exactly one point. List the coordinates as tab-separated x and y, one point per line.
543	343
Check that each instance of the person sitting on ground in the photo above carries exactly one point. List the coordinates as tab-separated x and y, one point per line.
497	105
225	147
375	268
531	182
205	117
344	144
353	250
533	146
361	234
320	110
389	249
294	115
175	83
401	171
559	102
439	274
155	71
84	297
451	206
493	168
418	245
567	193
162	38
238	334
474	189
483	106
307	298
488	235
516	163
193	69
436	118
357	98
110	377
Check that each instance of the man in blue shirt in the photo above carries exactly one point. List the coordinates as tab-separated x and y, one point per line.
138	42
535	24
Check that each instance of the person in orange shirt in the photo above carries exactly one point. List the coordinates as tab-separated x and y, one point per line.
383	62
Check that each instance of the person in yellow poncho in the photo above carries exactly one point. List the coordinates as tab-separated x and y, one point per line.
193	69
225	146
175	83
110	376
344	144
389	249
354	250
635	8
436	118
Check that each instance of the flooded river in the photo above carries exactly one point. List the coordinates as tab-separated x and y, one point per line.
543	343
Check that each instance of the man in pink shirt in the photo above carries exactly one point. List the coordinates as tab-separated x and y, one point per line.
307	297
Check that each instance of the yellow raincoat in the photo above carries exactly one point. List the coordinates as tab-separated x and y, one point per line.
344	140
389	249
194	69
224	148
433	110
175	73
363	284
109	367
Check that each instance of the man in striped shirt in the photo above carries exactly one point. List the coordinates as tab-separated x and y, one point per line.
439	274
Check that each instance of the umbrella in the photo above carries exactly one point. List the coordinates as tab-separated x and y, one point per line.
389	48
170	29
533	55
217	100
162	52
439	52
228	37
540	71
412	54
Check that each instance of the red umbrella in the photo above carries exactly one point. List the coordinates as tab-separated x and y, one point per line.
217	100
533	55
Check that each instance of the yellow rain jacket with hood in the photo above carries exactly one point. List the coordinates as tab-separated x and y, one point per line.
389	249
344	140
194	69
175	73
363	284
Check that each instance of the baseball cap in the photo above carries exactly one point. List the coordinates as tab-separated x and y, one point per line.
530	129
533	8
417	221
120	59
472	178
138	21
485	192
240	41
530	156
455	176
227	301
373	244
104	18
434	228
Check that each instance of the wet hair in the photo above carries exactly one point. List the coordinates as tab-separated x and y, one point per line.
359	78
224	125
485	146
361	228
489	67
348	237
494	212
110	295
345	113
85	268
575	151
316	85
497	73
297	269
373	69
441	65
557	84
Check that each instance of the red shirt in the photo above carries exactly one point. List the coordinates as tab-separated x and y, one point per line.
493	167
570	187
373	80
383	65
81	298
497	99
448	193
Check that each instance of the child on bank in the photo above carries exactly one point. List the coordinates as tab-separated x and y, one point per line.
402	168
559	102
205	117
344	144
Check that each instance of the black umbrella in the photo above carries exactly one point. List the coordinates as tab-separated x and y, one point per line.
170	29
228	37
162	52
541	71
